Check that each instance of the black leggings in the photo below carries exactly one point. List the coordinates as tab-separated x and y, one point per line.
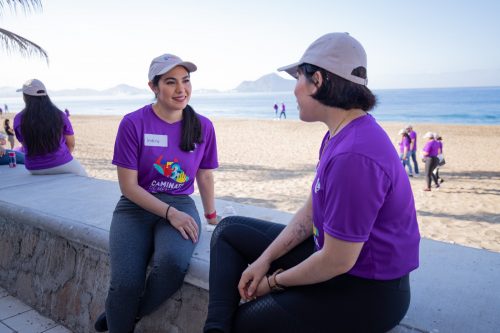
431	163
343	304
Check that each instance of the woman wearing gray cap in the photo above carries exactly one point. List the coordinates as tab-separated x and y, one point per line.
46	134
342	263
160	150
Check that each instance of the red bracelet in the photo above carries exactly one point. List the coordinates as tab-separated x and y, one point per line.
211	215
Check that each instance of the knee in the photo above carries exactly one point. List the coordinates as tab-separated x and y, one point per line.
171	266
221	229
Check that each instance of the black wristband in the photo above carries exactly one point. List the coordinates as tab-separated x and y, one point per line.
166	214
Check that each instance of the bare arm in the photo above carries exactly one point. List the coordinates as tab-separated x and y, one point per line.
205	181
299	229
130	188
335	258
70	142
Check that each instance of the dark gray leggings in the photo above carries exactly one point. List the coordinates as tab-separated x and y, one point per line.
137	237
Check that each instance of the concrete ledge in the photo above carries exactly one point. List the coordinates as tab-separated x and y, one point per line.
54	256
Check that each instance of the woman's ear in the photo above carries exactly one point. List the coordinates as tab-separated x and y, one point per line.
152	87
317	80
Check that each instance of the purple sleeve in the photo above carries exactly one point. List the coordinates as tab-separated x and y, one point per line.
67	128
356	193
407	143
127	144
17	128
209	160
428	147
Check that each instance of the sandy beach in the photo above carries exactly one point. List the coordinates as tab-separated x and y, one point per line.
271	164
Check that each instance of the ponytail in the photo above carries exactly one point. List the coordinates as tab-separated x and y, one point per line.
191	129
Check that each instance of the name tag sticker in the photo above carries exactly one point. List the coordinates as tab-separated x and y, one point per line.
156	140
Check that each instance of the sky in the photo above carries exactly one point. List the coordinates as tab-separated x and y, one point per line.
99	44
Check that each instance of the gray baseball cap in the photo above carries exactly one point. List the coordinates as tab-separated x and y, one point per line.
162	64
33	87
337	52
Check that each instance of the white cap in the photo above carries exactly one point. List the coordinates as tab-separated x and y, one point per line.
402	131
33	87
338	53
429	135
162	64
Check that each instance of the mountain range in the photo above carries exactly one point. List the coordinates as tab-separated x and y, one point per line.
267	83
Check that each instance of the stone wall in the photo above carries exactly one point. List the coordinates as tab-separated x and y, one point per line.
68	281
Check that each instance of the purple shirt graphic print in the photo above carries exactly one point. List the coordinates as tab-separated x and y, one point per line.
151	146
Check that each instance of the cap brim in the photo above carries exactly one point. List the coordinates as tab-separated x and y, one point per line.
291	69
186	64
19	90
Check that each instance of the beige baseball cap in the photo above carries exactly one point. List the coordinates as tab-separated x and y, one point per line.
33	87
162	64
337	52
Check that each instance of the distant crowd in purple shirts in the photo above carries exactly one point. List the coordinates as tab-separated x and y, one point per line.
432	155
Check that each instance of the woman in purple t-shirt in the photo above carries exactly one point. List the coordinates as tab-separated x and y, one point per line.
404	150
45	133
160	150
430	154
342	263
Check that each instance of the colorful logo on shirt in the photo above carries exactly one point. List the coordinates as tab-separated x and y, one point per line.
316	237
317	187
172	170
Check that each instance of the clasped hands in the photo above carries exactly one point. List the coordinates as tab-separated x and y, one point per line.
253	282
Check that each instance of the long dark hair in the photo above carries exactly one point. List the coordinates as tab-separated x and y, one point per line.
191	125
338	92
41	125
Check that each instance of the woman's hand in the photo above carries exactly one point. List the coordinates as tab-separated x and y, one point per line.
252	279
184	223
2	151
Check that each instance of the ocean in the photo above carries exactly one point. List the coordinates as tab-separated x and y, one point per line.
469	106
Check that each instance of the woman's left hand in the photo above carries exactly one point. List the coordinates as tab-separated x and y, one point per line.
184	223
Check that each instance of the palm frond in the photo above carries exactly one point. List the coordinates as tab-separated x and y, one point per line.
26	5
11	41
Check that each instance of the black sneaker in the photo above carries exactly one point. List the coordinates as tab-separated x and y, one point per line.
101	324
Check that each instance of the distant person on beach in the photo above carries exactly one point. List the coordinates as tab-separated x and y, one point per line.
275	107
4	153
160	150
441	159
342	263
1	111
404	151
430	153
283	110
10	133
45	133
67	112
6	108
413	148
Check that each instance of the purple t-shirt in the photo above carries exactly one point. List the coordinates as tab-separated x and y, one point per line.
361	193
404	143
59	157
413	136
432	148
151	146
